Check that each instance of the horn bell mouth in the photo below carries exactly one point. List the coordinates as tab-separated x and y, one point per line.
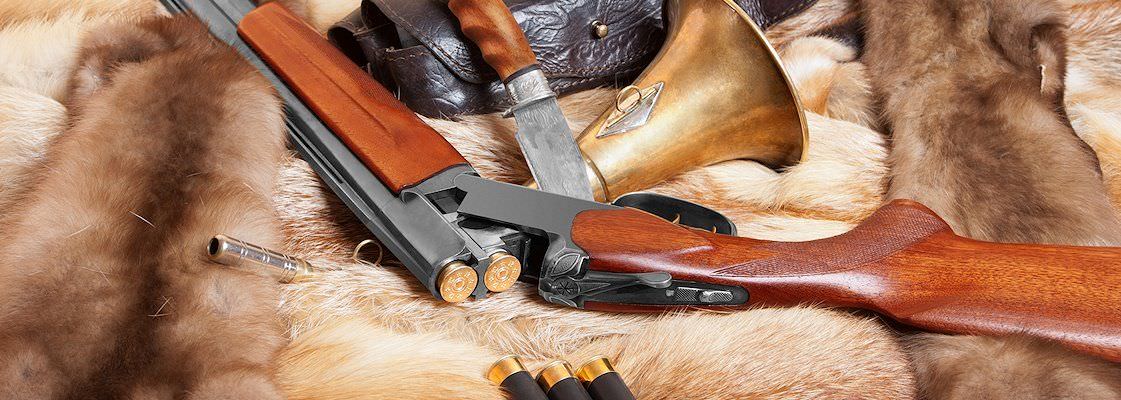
697	107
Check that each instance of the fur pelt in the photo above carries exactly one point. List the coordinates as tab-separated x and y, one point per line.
1020	368
27	122
340	321
16	11
104	287
973	95
348	358
54	28
321	14
45	68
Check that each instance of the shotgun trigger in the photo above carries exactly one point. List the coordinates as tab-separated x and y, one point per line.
678	211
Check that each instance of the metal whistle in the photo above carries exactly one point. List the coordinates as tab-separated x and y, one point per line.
230	251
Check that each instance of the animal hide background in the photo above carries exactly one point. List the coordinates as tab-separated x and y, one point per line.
365	329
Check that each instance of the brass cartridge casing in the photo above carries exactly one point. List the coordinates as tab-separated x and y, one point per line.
602	381
456	281
509	373
503	368
594	369
553	373
503	272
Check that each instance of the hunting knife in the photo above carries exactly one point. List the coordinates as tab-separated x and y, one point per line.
543	134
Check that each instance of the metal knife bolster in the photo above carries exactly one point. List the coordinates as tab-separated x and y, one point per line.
526	87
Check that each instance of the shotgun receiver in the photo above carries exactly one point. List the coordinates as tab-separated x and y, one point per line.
430	208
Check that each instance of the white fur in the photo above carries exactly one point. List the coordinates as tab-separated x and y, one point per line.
27	121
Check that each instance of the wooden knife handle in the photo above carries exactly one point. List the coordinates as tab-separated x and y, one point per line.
492	27
904	262
395	144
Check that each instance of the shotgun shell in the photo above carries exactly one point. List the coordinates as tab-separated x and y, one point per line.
602	381
558	382
509	373
286	269
456	281
503	271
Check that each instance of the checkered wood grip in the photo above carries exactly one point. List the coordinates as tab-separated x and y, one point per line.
888	231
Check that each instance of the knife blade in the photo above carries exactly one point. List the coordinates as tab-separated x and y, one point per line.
544	136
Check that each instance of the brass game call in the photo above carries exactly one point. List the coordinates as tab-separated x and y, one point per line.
559	383
285	268
509	373
694	107
602	381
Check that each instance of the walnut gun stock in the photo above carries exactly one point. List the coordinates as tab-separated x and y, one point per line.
904	262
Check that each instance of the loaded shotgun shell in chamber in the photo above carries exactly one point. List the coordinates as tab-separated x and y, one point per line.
602	381
509	373
558	382
503	272
456	281
285	268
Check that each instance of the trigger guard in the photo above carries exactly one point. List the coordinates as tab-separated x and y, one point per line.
678	211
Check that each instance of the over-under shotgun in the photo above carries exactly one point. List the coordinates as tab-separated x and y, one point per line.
422	199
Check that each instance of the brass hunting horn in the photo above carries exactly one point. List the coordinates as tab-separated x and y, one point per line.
715	92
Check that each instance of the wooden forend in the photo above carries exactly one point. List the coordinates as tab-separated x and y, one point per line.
385	134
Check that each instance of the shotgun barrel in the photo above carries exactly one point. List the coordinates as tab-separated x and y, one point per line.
394	172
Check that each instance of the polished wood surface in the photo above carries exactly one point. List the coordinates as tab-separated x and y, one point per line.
904	262
490	25
388	137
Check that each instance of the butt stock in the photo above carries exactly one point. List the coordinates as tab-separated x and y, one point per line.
388	137
904	262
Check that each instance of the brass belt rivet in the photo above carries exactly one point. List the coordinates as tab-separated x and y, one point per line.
503	271
456	281
599	28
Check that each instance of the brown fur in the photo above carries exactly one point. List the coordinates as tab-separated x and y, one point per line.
1021	368
979	133
104	286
